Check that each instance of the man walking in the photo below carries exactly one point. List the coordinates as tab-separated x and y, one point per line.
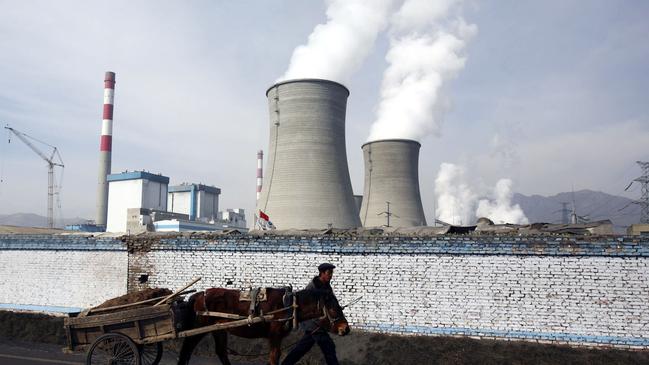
312	332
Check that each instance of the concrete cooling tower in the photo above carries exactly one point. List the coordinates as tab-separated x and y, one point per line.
392	175
307	182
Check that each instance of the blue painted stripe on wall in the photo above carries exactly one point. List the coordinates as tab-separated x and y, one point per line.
549	336
60	243
534	246
406	246
40	308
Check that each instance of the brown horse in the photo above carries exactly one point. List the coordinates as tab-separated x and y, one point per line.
311	304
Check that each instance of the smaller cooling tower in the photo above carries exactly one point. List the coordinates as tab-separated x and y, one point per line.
392	175
307	182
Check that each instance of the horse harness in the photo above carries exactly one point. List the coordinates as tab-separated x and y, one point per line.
255	296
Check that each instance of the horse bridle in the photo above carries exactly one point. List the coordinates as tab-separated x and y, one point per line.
325	313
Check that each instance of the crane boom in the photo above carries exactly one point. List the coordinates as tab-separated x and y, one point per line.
50	169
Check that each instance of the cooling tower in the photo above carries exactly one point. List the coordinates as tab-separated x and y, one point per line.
307	182
392	175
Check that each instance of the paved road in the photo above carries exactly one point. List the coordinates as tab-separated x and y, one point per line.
29	353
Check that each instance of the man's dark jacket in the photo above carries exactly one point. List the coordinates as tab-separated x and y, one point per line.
315	284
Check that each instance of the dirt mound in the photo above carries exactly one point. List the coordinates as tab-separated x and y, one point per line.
32	327
135	297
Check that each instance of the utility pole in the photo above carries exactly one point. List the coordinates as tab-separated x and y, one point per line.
643	202
388	214
573	216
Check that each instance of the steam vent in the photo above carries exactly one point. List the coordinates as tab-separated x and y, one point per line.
307	181
392	175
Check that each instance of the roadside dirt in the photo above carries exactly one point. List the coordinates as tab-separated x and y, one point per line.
362	348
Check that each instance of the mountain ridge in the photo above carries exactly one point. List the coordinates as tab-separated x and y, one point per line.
594	205
35	220
591	204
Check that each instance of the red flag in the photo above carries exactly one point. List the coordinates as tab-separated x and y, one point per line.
263	216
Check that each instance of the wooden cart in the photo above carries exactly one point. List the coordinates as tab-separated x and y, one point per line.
135	336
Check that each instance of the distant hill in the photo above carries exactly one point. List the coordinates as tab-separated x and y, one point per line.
594	205
34	220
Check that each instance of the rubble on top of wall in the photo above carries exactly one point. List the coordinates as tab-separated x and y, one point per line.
483	228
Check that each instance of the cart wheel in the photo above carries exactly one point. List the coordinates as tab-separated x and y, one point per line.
113	349
150	354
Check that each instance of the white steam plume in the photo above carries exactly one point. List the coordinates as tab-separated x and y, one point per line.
337	48
457	203
500	208
455	200
426	51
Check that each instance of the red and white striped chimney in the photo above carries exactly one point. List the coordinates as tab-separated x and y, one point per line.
105	148
260	172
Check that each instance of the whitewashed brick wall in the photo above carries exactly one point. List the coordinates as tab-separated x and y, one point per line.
546	289
561	299
62	278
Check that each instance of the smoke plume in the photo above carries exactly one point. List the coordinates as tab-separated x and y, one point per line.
500	208
337	48
457	203
455	199
426	51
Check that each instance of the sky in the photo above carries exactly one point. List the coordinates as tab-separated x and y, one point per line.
552	94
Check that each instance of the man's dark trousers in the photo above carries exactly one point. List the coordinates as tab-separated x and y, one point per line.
306	342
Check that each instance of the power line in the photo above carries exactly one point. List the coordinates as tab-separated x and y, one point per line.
612	196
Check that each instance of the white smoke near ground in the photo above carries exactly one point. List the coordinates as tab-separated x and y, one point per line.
426	51
457	203
500	209
337	48
455	199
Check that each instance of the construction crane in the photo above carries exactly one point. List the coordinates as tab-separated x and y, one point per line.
51	163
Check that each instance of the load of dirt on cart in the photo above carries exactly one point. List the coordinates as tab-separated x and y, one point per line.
135	297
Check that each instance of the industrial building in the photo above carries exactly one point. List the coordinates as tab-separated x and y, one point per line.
140	201
391	194
200	202
307	183
138	189
638	230
233	218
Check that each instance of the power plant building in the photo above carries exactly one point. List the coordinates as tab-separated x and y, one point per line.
233	218
392	176
307	183
138	189
200	202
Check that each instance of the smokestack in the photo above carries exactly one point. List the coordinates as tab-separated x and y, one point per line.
105	148
392	175
307	180
260	172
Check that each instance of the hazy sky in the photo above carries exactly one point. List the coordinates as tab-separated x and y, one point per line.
553	94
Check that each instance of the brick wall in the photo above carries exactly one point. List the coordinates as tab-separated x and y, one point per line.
535	288
61	271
